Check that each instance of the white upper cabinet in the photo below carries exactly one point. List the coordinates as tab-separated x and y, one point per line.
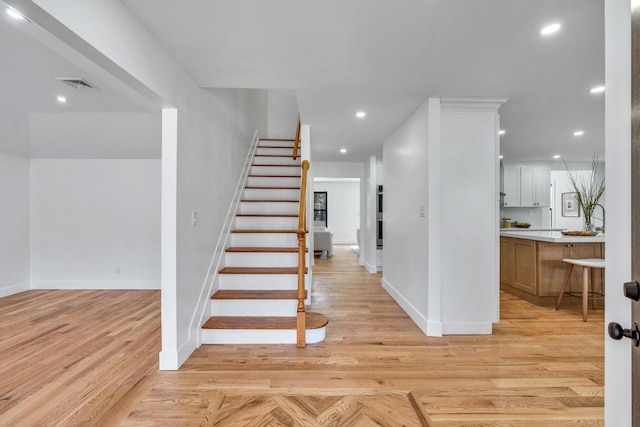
527	186
511	186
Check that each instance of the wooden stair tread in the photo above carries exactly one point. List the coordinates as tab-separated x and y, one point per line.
261	270
289	147
250	231
274	176
313	321
270	215
286	166
262	249
255	294
273	155
269	201
253	187
278	139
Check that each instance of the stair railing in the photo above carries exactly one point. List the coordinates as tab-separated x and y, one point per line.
302	245
296	141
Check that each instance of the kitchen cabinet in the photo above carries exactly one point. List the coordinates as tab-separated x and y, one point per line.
533	270
517	264
535	182
552	269
526	186
511	188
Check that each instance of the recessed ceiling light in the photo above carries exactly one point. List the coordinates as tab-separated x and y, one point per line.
501	156
343	150
550	29
15	14
61	99
360	114
556	156
501	132
578	133
597	89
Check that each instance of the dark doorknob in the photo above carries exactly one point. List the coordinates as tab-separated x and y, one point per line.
617	332
632	290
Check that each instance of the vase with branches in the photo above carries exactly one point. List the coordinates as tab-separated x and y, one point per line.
588	191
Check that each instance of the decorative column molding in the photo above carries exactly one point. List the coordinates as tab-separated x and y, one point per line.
471	104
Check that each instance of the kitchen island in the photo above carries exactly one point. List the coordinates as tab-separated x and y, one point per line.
531	264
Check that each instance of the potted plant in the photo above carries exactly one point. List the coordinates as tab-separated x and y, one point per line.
588	191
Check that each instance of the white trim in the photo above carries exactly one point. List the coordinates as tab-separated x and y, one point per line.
464	328
171	360
97	284
430	328
490	105
14	289
370	268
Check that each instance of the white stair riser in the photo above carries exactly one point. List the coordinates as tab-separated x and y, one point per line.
275	170
261	259
265	307
276	240
269	208
266	223
273	182
271	194
277	151
275	143
260	160
258	281
259	336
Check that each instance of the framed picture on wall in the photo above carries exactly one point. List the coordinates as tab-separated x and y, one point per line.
570	205
320	208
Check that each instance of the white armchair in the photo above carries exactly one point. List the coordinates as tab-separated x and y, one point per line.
322	240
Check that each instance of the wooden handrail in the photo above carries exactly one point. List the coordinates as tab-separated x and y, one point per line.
302	244
296	141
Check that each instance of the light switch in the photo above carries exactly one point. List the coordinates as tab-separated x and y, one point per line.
422	211
194	218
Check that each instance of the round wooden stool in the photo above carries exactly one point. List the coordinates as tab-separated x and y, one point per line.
588	265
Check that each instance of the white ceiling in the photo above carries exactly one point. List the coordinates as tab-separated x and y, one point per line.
384	57
112	122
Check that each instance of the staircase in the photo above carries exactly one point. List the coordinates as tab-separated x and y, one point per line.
257	297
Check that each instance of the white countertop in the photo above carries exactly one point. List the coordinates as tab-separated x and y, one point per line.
552	236
531	229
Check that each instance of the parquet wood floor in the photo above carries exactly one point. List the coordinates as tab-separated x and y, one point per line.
90	358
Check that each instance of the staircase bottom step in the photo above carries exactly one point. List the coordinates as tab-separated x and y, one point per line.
262	329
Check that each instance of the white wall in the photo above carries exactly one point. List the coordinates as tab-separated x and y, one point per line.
283	113
617	354
441	216
406	235
338	169
343	209
95	224
213	133
14	224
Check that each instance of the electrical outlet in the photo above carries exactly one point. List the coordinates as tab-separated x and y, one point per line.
117	269
194	218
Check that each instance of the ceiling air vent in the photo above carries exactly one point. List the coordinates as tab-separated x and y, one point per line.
76	83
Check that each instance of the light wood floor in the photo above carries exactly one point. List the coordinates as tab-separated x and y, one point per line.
90	358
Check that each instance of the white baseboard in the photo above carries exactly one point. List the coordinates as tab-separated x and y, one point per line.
106	285
370	268
171	360
5	291
467	328
429	328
